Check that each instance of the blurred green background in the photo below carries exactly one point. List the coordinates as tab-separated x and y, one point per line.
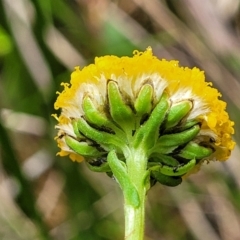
43	196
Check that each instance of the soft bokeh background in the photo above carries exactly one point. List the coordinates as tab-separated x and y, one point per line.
46	197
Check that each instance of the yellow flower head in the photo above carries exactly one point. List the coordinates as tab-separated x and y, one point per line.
183	87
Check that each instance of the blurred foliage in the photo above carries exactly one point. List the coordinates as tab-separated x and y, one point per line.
43	196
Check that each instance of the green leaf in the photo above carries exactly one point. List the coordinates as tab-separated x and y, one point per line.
164	159
99	118
120	173
93	115
104	167
121	113
177	113
178	139
179	170
194	150
106	140
82	148
147	134
143	103
166	180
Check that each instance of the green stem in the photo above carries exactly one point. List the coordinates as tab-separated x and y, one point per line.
134	216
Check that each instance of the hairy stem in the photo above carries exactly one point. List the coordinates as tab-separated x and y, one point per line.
134	216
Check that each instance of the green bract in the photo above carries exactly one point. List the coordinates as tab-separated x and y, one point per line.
106	136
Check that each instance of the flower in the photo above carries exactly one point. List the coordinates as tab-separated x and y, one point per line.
107	103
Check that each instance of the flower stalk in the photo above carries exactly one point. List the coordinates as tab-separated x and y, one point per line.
142	121
135	216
